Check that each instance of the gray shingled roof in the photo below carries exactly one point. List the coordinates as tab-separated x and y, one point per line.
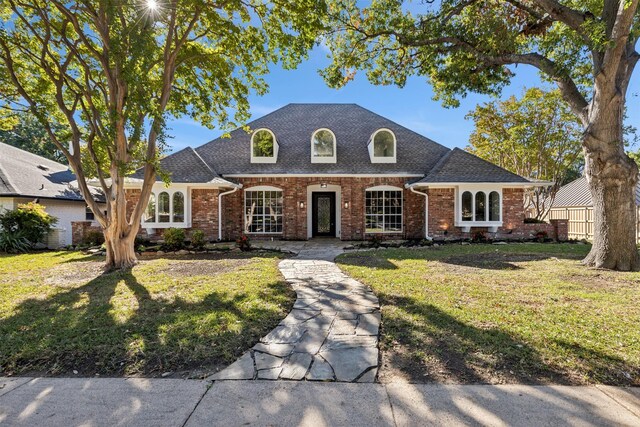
186	166
460	166
293	126
577	193
29	175
353	126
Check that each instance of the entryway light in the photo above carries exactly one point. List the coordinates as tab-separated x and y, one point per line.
346	205
301	205
323	185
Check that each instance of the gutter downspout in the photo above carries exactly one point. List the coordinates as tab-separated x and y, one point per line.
426	212
220	210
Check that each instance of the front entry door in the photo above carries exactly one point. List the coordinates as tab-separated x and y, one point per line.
324	214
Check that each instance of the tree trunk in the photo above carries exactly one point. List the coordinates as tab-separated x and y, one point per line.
120	249
612	178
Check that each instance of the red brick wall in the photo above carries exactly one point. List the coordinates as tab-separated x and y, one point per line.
80	229
204	209
295	217
204	213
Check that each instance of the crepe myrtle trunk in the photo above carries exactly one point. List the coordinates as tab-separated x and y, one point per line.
612	178
120	230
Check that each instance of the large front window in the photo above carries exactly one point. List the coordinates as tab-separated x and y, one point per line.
165	209
383	211
263	211
480	206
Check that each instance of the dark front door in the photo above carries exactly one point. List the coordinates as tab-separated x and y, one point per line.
324	214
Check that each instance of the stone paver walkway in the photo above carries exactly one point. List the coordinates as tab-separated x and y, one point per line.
330	335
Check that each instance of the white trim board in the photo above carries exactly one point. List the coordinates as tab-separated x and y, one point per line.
323	175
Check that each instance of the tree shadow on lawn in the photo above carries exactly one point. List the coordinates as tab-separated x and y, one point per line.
428	345
490	257
78	329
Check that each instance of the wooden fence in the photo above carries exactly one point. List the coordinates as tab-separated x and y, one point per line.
581	221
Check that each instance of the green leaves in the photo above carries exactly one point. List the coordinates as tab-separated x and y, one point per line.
466	46
117	71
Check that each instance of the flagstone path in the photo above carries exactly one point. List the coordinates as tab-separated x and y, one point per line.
330	335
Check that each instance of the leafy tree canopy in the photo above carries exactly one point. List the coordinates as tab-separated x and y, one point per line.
25	132
535	136
113	72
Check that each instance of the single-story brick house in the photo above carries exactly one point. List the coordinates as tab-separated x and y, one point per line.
334	170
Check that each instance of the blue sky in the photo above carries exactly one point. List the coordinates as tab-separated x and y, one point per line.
411	106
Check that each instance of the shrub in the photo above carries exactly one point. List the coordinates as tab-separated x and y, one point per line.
198	239
375	241
173	239
14	241
141	241
541	236
30	219
244	243
479	237
93	238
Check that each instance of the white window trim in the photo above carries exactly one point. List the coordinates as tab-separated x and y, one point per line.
473	189
376	159
327	159
257	159
384	188
244	214
157	189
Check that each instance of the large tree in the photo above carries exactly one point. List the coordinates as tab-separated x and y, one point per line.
113	72
24	131
586	47
535	136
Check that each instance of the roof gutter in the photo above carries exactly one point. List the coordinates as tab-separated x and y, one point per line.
505	184
220	208
426	211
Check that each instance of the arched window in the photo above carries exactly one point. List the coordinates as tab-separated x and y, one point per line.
178	206
323	146
494	206
264	147
382	146
150	214
467	206
164	209
481	206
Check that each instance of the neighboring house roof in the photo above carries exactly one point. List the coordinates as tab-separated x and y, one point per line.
24	174
293	126
460	166
577	193
186	166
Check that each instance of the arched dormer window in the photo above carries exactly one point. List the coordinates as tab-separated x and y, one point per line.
382	146
323	146
264	146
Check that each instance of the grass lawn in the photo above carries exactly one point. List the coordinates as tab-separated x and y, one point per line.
188	316
518	313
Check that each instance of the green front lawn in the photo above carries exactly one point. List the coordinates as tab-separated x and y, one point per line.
188	316
518	313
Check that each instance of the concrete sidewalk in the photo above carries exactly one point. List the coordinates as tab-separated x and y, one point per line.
168	402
